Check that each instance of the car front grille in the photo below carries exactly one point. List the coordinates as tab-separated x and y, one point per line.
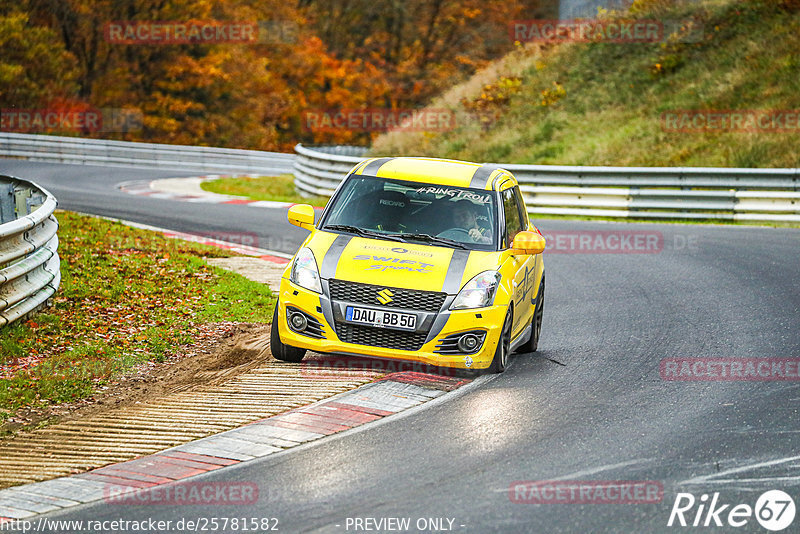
428	301
380	337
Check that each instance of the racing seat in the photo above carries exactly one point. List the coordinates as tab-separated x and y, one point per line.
382	210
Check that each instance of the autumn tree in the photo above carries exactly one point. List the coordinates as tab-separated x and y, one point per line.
423	46
34	65
342	55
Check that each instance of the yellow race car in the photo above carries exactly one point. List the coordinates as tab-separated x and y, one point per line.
417	259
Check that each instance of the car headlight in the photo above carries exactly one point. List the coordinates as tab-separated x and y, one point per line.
304	271
478	292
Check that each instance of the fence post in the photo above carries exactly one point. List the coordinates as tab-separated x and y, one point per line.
7	212
21	201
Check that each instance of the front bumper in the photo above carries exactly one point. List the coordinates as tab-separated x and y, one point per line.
418	346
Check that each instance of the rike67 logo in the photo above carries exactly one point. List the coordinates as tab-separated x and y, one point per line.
774	510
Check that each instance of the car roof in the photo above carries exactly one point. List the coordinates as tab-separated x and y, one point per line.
446	172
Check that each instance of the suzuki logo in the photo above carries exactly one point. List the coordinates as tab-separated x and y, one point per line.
385	296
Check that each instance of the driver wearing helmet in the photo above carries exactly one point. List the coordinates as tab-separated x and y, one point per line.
464	216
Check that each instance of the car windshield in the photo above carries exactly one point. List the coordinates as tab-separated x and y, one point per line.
415	212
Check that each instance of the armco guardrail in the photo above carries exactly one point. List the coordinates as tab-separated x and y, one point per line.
319	170
661	192
77	150
30	271
633	192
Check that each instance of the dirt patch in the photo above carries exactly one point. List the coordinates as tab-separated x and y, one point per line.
223	351
249	349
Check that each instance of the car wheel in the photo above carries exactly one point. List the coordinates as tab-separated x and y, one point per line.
281	351
536	323
500	361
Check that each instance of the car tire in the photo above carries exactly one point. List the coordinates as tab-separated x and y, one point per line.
536	322
280	350
501	354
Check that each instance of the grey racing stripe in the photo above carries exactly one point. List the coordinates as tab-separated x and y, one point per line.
482	175
441	319
358	167
371	168
458	262
451	286
327	308
331	260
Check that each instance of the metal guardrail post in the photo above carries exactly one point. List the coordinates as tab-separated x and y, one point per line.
640	192
7	211
21	200
30	270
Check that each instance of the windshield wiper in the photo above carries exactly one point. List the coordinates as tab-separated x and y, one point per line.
427	238
363	232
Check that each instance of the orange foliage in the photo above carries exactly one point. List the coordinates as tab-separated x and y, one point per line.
332	55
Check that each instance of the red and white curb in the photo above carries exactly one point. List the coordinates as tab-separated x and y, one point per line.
245	250
189	190
391	395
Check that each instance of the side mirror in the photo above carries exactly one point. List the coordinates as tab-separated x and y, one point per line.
302	215
528	242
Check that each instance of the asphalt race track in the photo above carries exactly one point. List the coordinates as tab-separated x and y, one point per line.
92	189
591	405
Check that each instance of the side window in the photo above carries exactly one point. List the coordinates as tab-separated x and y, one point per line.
523	215
511	211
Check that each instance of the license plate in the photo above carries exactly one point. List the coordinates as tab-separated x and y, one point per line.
381	318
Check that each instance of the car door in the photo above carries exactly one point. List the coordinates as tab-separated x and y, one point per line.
524	266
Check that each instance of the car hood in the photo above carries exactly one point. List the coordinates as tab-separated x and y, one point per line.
394	264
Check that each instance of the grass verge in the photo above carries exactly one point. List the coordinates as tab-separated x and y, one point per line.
127	297
278	188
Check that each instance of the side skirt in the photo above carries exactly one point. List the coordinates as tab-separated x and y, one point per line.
522	338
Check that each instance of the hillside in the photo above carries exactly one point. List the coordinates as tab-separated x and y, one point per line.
604	103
